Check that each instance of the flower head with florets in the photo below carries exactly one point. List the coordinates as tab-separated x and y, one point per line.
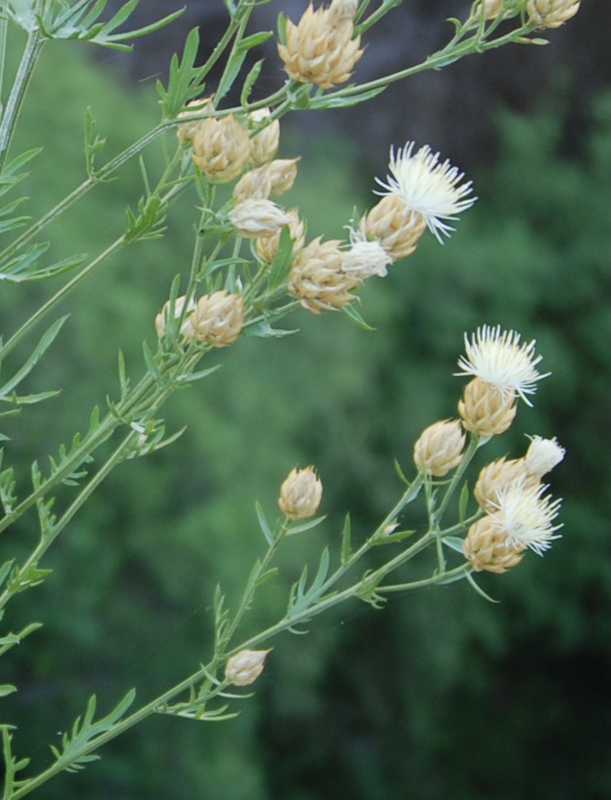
498	358
428	186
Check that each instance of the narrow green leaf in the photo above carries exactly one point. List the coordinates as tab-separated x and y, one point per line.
479	590
255	39
454	543
351	312
463	502
305	526
263	523
5	569
149	360
250	81
7	688
197	376
45	342
346	541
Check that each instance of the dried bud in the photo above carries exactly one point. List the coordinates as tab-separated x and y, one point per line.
257	218
218	319
394	226
267	248
551	13
486	547
221	147
253	185
300	494
496	477
492	8
187	130
439	448
161	320
485	409
543	455
317	278
245	667
282	173
320	49
264	144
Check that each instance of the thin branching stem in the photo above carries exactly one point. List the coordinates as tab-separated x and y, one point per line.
14	103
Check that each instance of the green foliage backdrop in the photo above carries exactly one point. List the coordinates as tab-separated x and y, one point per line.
442	695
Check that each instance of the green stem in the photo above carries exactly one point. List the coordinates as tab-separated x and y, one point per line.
457	477
29	58
81	190
408	496
3	40
31	323
451	575
436	61
83	496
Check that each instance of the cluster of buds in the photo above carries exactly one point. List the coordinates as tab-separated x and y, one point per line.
519	519
223	146
216	319
518	513
321	48
421	192
254	215
551	13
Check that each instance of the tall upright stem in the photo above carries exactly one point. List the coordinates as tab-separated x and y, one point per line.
22	79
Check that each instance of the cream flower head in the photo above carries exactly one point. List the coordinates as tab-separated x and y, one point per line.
498	358
526	517
428	186
543	455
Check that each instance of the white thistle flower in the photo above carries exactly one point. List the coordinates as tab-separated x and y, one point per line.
543	455
428	186
526	517
498	358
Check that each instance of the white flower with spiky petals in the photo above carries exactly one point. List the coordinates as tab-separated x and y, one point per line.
526	517
543	455
427	186
498	358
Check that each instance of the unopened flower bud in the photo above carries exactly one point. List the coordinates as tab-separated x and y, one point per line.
439	448
221	147
492	8
267	248
161	320
282	173
244	667
551	13
218	319
187	130
486	547
485	409
253	185
320	48
543	455
300	494
394	226
317	278
264	144
496	477
257	218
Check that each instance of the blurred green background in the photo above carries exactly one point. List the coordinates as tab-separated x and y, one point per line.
440	695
